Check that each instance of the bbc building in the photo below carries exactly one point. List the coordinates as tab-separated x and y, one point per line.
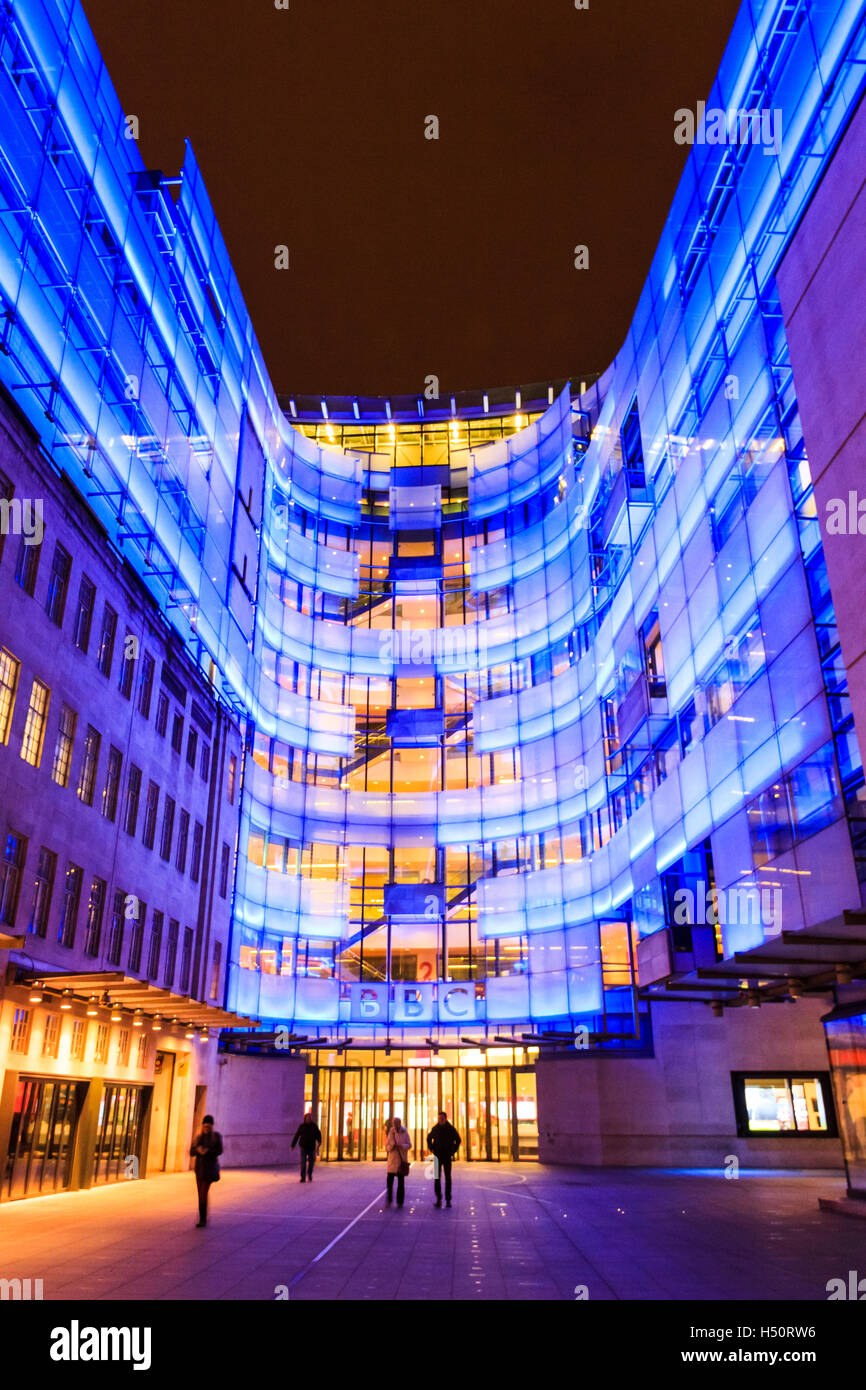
493	752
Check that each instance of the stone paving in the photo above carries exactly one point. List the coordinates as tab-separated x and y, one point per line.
515	1231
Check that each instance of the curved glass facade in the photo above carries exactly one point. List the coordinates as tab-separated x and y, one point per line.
513	682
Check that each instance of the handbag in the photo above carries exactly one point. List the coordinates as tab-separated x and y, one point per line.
403	1170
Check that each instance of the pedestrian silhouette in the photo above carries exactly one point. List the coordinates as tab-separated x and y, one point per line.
397	1146
309	1136
206	1149
443	1141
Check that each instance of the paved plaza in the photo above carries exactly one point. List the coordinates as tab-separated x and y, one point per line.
515	1231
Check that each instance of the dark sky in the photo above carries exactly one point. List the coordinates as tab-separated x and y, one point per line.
412	256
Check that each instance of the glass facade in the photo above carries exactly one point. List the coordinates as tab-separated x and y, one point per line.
516	683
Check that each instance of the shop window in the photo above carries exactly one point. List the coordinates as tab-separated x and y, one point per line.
795	1103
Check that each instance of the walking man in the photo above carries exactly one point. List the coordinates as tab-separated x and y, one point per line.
443	1141
206	1149
309	1136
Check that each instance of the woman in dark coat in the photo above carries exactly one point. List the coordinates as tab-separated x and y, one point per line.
206	1149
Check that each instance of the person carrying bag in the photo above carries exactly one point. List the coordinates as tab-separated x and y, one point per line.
397	1146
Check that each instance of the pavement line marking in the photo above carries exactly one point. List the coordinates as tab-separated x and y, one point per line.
322	1253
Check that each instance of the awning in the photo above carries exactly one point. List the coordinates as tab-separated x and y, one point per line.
813	960
114	989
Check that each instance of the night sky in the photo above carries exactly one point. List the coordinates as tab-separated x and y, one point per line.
412	256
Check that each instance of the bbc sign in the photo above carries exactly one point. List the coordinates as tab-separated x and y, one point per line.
412	1003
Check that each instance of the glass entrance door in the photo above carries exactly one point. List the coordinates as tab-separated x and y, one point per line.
350	1124
525	1114
42	1137
493	1108
118	1137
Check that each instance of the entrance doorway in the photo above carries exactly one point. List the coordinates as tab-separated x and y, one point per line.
493	1107
44	1124
118	1133
160	1109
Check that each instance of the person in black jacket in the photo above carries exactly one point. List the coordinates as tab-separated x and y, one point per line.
443	1141
309	1136
206	1149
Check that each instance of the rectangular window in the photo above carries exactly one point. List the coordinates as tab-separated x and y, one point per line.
182	840
51	1036
148	835
111	790
161	713
155	945
84	614
215	969
145	685
87	775
126	676
105	655
69	906
123	1047
167	828
224	871
78	1041
9	669
62	764
20	1039
42	890
95	910
116	930
11	866
186	960
197	838
58	585
191	746
27	567
100	1047
34	728
793	1103
204	764
133	792
171	953
143	1050
177	732
233	777
137	940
